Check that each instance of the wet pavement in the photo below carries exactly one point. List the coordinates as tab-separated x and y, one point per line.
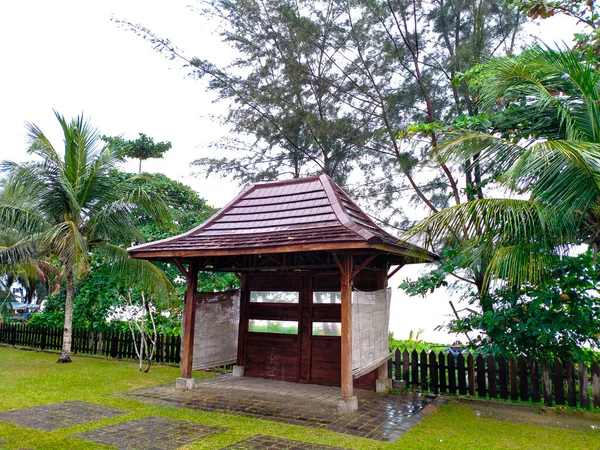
261	442
153	432
53	416
379	417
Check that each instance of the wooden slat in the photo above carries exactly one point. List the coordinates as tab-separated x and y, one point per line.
559	386
414	376
451	373
471	373
491	373
512	374
442	372
433	373
406	366
462	382
584	395
570	380
481	388
534	375
423	367
595	370
547	383
523	379
502	377
397	364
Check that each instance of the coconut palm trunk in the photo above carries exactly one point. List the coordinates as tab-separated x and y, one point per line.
65	356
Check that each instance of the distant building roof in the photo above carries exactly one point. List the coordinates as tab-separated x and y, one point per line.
297	215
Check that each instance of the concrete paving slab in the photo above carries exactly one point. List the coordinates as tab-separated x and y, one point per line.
150	433
262	442
53	416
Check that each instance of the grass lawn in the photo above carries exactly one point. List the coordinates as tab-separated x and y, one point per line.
30	378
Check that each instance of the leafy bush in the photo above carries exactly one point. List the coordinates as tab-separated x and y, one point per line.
557	319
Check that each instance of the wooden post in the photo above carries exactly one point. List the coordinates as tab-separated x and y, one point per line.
348	403
189	322
346	284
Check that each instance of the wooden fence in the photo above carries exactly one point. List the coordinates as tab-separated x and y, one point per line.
110	344
551	383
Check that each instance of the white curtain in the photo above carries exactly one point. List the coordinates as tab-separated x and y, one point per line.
216	329
370	325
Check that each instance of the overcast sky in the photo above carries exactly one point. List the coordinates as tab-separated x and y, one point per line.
69	56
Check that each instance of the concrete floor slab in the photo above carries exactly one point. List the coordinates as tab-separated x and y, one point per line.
380	417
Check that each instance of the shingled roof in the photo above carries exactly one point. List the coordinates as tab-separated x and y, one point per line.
302	214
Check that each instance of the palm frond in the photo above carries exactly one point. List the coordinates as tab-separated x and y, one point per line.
66	241
140	273
521	263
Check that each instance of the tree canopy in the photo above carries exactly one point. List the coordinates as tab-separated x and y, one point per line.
142	148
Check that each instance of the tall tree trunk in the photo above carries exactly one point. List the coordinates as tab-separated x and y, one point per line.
65	356
140	167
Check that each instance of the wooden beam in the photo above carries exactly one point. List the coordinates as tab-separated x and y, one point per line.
182	269
189	253
346	350
189	321
395	271
338	263
363	265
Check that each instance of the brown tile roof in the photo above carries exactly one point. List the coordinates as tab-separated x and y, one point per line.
285	216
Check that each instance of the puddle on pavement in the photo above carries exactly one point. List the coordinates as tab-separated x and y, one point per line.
573	420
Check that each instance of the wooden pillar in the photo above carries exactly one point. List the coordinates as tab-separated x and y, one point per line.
346	291
238	368
189	321
383	384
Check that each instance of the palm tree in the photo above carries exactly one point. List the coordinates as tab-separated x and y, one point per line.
557	169
72	203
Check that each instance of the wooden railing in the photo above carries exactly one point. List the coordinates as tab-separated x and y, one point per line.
518	379
108	343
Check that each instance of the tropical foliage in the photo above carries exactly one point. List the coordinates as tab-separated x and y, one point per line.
553	179
555	319
71	203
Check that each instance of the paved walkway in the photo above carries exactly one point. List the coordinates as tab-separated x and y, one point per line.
380	417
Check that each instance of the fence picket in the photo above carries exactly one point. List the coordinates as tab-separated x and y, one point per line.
546	383
451	374
471	373
502	377
405	366
423	364
523	379
570	380
442	372
534	375
512	374
397	364
595	369
584	394
462	385
491	371
414	372
433	373
481	391
559	387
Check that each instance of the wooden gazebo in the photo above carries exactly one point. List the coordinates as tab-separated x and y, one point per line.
302	237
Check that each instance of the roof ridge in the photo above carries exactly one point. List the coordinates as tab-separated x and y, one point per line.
340	211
